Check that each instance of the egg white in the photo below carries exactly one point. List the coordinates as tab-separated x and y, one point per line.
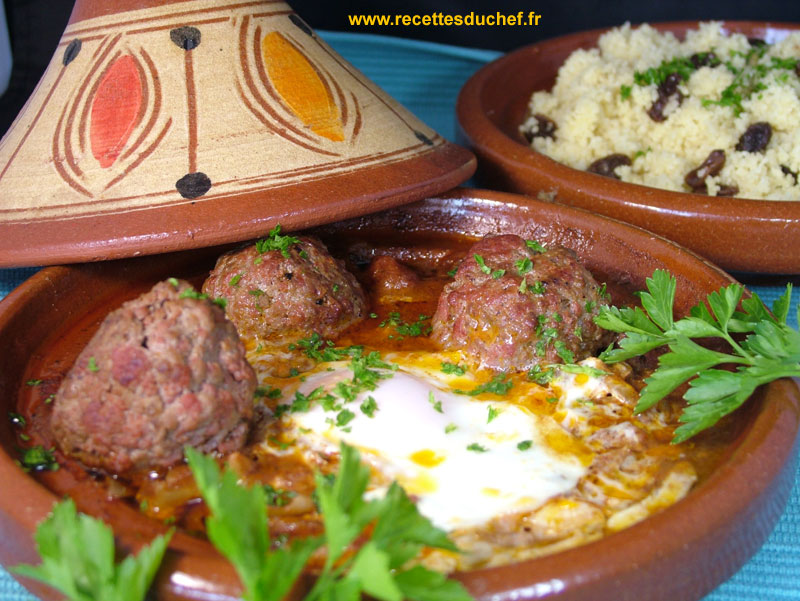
464	459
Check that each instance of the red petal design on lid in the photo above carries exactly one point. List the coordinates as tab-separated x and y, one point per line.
115	110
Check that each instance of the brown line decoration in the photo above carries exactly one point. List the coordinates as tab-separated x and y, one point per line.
148	127
170	194
262	73
331	166
344	111
85	100
81	91
107	39
191	107
33	123
358	123
265	106
142	155
179	16
383	101
174	24
324	76
255	112
65	175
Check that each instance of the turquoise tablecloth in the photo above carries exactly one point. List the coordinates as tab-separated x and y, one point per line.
426	77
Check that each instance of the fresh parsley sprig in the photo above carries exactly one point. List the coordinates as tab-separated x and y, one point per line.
238	527
78	558
769	350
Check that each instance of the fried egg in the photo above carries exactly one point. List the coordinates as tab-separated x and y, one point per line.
465	458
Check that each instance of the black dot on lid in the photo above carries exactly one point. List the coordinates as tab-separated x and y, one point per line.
193	185
72	51
187	38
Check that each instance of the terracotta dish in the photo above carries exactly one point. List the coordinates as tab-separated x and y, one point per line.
678	554
163	126
736	233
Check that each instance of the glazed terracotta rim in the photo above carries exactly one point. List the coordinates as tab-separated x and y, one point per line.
514	166
234	217
703	538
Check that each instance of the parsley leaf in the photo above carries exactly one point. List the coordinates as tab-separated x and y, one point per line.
477	448
238	528
499	385
453	369
437	405
78	558
770	350
276	241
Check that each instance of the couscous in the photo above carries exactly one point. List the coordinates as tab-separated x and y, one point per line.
714	114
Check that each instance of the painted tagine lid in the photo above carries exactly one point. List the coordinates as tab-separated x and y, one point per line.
161	126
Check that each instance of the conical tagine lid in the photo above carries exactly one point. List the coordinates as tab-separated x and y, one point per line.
161	126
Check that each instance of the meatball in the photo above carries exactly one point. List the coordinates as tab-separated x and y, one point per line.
283	292
511	307
163	371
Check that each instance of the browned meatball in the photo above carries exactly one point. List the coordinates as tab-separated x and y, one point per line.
287	293
512	307
163	371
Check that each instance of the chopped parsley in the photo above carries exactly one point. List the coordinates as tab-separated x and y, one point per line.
493	413
38	459
369	406
276	241
319	349
278	497
192	293
33	382
748	78
255	292
453	369
683	66
541	376
269	392
450	428
574	368
499	385
17	419
536	288
524	445
344	417
482	264
91	365
415	329
562	351
437	405
535	246
475	447
524	265
452	272
234	281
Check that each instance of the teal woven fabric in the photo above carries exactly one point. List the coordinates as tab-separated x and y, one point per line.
426	78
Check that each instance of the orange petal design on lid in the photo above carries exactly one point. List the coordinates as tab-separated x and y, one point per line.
300	86
115	108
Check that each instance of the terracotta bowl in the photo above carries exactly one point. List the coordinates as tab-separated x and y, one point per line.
736	233
679	554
